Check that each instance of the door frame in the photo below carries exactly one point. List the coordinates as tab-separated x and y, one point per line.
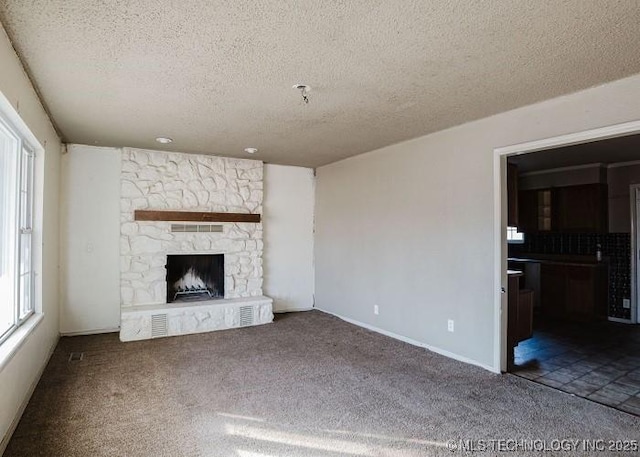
500	156
635	228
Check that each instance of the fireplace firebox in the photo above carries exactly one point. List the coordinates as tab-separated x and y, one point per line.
195	277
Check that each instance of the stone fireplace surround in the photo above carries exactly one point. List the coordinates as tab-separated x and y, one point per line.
157	180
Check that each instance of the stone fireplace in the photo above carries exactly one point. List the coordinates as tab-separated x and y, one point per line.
162	269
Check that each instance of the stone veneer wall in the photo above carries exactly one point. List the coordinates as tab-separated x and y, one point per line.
158	180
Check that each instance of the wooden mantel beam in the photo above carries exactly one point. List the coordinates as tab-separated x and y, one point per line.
194	216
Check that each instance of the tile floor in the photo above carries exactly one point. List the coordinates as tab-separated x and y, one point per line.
599	361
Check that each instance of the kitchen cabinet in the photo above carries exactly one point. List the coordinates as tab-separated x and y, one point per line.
519	314
587	293
525	314
536	211
527	206
574	292
512	195
553	290
582	208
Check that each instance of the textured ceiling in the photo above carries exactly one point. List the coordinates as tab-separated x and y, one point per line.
217	75
613	150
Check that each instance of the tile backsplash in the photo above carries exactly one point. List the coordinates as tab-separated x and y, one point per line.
616	249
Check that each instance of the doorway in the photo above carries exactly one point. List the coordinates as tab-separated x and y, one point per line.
634	191
564	243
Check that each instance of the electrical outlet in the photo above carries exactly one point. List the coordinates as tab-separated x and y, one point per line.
450	325
626	303
376	310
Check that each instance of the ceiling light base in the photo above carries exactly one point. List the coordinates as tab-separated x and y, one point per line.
304	91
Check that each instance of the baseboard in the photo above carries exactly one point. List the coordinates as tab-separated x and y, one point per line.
91	332
16	420
413	342
291	310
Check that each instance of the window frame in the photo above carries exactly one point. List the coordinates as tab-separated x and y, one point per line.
26	156
514	236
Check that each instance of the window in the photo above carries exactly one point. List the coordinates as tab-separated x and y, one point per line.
16	226
513	236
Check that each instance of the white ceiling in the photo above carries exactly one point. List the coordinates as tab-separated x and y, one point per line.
217	75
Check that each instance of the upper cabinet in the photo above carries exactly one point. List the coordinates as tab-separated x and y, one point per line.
528	217
512	195
582	208
537	211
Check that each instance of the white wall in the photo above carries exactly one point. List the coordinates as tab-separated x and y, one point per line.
410	227
21	373
90	237
288	237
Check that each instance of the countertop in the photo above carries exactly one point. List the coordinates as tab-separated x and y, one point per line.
569	260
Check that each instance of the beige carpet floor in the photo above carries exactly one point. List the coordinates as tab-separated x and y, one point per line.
307	385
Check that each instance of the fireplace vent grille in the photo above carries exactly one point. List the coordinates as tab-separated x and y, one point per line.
246	316
159	325
196	228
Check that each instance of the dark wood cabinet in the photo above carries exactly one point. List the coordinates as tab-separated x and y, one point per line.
582	208
512	195
574	292
579	292
525	314
537	211
553	290
519	315
586	293
528	211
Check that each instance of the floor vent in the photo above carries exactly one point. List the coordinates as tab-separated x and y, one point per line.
159	325
76	356
246	316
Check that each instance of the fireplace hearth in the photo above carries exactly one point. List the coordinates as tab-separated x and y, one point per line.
195	277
